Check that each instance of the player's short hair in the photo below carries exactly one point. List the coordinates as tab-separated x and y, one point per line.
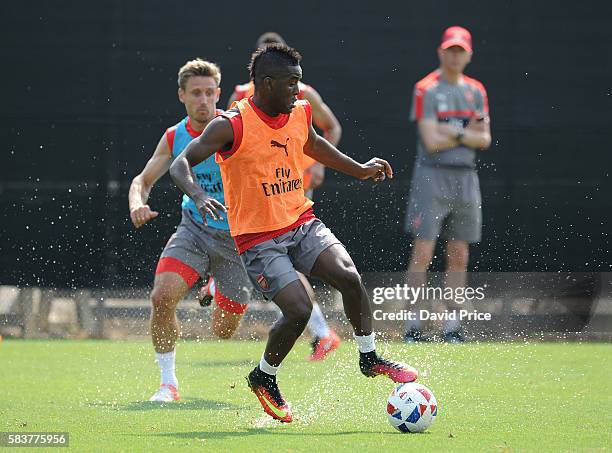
198	67
269	37
265	60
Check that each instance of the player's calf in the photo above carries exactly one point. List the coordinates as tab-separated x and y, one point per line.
335	266
168	290
226	316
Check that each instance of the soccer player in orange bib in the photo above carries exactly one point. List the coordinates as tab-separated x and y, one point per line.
325	340
262	142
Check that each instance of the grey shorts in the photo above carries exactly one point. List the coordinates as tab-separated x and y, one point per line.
272	265
445	202
209	251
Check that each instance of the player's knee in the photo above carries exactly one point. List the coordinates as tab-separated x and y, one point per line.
225	327
299	315
163	301
223	332
458	260
348	279
420	260
302	313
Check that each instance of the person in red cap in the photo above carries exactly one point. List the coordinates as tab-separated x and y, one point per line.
452	115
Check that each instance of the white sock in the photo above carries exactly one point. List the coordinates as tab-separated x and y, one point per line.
165	360
212	288
317	324
365	342
266	367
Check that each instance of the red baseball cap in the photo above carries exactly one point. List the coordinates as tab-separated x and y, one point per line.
456	36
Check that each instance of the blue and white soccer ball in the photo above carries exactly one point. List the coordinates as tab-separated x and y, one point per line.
412	408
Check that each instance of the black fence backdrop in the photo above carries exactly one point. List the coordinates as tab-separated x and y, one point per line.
89	87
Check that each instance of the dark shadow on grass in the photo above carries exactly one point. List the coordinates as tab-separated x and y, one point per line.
250	432
187	404
223	363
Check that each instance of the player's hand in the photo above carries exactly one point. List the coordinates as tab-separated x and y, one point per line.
376	169
211	207
142	215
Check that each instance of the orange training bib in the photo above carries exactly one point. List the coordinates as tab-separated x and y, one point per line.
263	178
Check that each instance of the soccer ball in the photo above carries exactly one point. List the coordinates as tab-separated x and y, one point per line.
412	408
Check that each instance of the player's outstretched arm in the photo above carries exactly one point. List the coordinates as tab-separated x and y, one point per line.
217	135
321	150
158	164
323	117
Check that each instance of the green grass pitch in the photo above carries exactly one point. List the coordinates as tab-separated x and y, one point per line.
496	397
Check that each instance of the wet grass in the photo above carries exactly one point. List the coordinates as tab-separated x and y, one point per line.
492	397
